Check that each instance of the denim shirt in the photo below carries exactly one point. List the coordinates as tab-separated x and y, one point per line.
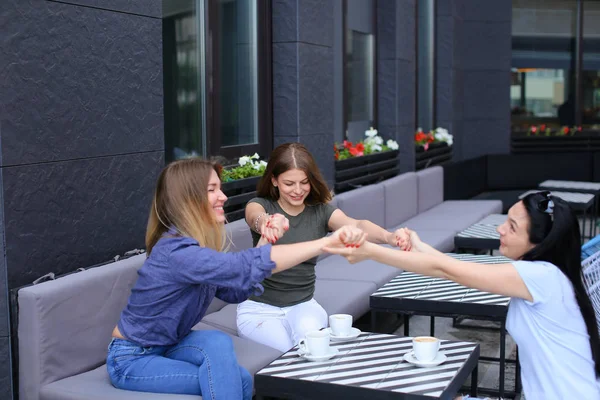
179	280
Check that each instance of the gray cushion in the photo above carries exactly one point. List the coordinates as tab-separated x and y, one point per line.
364	203
430	187
453	215
95	384
400	198
345	297
65	325
223	320
337	267
239	233
442	240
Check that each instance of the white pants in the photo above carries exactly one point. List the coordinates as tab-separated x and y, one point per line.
279	327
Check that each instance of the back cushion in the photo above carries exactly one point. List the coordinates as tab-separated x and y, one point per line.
240	235
400	199
65	325
364	203
430	185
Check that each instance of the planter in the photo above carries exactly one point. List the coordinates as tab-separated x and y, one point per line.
365	170
239	192
436	154
586	140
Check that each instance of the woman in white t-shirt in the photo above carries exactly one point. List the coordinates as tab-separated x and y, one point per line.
550	316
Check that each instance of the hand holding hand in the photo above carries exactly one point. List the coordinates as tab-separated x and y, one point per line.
349	242
401	239
273	227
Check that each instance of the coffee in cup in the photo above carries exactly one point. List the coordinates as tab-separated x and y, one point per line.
340	324
315	343
425	348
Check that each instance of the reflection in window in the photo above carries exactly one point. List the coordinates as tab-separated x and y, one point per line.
238	117
181	89
359	76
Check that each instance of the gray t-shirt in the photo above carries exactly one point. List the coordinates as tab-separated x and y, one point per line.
297	284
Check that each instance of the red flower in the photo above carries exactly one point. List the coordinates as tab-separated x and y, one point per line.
354	151
533	129
360	147
566	130
337	155
347	144
430	138
420	137
579	128
543	127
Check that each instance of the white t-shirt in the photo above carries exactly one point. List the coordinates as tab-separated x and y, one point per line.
554	345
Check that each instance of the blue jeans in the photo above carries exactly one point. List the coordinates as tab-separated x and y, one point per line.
202	363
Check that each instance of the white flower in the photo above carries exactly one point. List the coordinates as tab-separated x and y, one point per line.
243	160
378	140
263	163
376	147
256	166
392	144
255	156
419	129
371	132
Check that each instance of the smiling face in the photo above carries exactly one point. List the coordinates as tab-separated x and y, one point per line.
514	233
216	197
293	186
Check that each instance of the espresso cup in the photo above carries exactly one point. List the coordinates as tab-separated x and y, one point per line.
315	343
340	324
425	348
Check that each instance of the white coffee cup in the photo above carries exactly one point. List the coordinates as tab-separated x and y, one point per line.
340	324
315	343
425	348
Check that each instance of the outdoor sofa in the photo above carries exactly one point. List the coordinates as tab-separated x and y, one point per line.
64	325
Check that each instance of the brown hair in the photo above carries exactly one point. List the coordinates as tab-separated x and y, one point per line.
181	203
293	156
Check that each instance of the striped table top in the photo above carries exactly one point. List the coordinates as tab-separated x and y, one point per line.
374	361
414	292
493	219
480	231
579	185
569	197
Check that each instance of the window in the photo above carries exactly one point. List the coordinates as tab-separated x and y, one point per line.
359	68
218	80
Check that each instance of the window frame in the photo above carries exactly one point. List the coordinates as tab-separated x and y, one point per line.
212	87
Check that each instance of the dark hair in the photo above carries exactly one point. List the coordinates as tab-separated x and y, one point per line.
554	230
289	156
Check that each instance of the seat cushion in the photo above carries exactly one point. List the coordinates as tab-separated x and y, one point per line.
95	384
364	203
453	215
224	319
430	186
442	240
338	268
344	297
239	233
400	198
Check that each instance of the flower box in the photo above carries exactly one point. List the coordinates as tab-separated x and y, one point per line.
239	192
585	140
355	172
437	153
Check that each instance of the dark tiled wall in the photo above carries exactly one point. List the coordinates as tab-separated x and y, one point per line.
473	75
396	76
81	128
303	77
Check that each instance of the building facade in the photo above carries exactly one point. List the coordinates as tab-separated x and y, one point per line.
97	94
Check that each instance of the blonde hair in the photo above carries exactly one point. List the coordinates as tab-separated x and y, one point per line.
181	204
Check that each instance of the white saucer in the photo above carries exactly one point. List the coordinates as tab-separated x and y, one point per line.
332	352
410	358
354	333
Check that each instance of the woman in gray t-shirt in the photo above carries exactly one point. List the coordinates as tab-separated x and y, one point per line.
291	207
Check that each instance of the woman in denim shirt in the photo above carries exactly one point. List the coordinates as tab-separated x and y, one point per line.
154	348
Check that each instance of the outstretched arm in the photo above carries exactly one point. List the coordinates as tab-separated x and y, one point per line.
502	279
377	234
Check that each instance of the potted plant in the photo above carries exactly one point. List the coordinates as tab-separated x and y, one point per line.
432	148
364	162
239	184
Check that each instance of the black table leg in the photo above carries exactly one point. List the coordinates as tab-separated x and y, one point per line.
431	326
474	381
373	320
518	387
502	358
406	324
